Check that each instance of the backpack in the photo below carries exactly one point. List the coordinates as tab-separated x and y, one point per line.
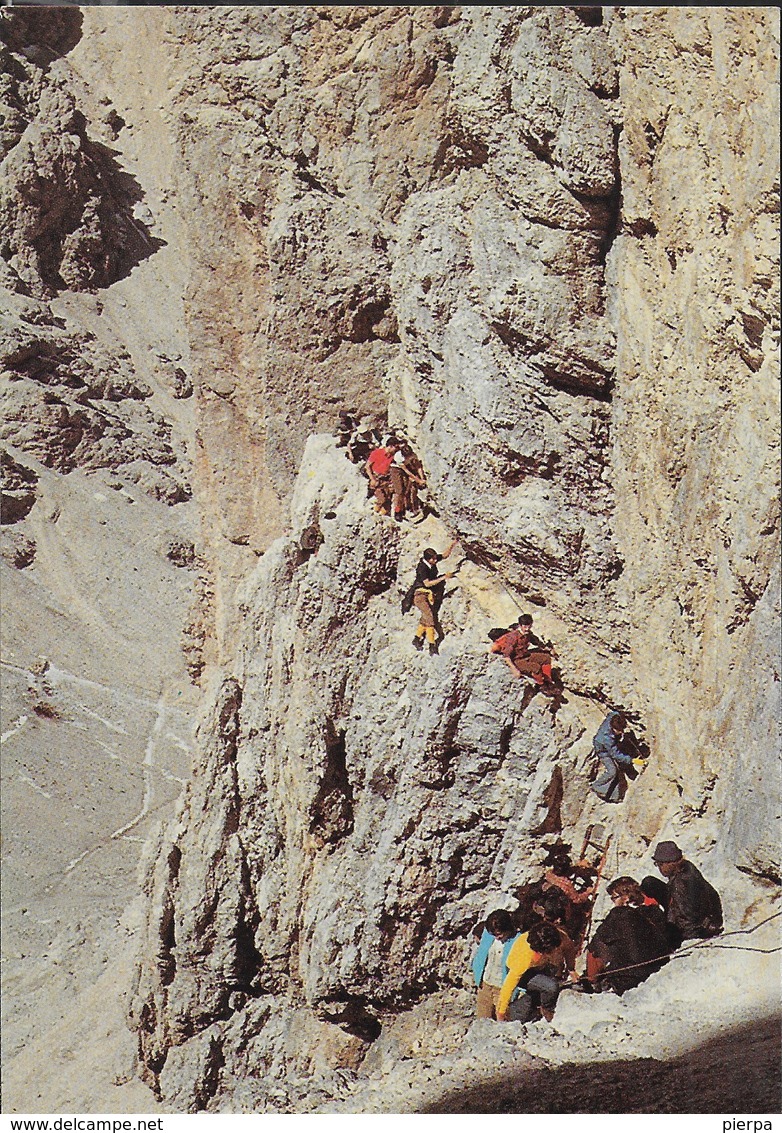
407	601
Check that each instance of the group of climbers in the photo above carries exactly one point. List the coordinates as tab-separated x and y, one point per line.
394	471
524	958
396	477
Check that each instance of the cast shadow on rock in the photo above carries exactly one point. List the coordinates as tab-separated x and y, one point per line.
41	33
737	1072
99	240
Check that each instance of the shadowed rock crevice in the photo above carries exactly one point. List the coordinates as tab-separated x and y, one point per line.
69	211
331	812
41	34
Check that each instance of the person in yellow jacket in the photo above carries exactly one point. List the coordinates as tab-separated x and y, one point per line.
536	964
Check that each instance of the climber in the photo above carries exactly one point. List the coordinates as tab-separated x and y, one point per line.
577	884
489	965
536	964
552	909
310	540
611	784
386	479
426	594
655	892
362	442
694	908
529	895
514	647
347	424
631	934
415	479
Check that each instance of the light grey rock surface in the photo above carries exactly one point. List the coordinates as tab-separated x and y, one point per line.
542	241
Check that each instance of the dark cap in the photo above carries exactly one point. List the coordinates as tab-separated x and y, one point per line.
667	852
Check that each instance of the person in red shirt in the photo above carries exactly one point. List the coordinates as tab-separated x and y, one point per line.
526	656
386	479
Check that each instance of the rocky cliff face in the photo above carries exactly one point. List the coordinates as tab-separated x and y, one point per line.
542	242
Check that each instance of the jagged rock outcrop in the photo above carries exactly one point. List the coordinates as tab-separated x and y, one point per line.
542	241
71	398
283	882
380	797
66	208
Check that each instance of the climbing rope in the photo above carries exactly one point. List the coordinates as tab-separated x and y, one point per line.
688	949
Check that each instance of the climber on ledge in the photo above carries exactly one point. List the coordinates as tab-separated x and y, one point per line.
386	479
552	909
426	594
415	479
694	908
611	783
632	936
489	965
536	964
527	656
363	440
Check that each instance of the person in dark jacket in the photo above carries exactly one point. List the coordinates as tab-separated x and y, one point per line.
694	908
426	594
632	934
655	890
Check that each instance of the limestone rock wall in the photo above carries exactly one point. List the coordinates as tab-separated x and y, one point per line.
543	242
489	213
357	805
405	231
695	298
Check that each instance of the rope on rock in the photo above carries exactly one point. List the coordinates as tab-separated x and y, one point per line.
688	949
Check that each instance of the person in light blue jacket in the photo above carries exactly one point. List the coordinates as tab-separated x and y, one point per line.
611	782
490	963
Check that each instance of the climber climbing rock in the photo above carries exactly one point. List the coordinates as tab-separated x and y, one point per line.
552	910
536	964
386	479
527	656
490	963
347	423
363	440
630	935
611	783
309	541
415	480
578	885
426	594
694	908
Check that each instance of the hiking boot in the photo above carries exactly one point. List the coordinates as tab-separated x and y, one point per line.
433	648
418	642
398	516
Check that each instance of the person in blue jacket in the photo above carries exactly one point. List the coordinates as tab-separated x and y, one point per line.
489	965
611	781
